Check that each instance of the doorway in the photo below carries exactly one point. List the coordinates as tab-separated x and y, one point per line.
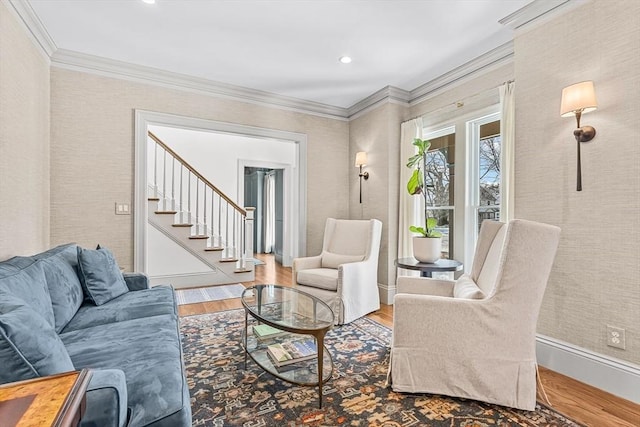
264	190
294	175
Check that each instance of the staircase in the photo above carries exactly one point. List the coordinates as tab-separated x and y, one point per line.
185	207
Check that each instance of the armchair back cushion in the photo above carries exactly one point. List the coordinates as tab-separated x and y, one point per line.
465	287
347	237
489	275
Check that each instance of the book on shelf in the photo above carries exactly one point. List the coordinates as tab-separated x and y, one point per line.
265	332
293	351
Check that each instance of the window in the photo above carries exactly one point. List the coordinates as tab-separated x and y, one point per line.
484	172
440	171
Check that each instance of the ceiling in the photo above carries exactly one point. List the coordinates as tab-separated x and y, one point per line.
286	47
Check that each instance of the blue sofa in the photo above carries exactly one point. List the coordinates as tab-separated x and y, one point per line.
50	322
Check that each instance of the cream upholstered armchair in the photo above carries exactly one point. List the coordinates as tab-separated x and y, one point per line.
345	274
475	337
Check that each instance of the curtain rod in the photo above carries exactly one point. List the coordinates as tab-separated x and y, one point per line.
459	104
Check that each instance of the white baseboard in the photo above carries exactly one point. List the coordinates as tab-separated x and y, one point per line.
386	293
606	373
188	280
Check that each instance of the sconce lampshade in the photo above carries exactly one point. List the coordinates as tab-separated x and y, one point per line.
578	97
361	158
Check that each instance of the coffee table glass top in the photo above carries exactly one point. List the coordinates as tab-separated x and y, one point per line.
289	308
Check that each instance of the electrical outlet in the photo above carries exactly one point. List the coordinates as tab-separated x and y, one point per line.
615	337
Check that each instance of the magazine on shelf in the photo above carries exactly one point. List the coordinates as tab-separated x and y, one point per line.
293	351
264	332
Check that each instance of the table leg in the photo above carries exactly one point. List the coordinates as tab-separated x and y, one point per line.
320	347
246	332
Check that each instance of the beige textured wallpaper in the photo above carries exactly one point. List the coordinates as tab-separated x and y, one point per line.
378	133
24	141
92	154
596	277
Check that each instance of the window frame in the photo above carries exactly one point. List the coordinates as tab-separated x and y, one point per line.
472	183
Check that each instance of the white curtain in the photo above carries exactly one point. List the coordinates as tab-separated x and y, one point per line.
409	211
269	217
508	138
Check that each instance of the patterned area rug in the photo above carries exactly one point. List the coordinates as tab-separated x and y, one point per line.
223	394
212	293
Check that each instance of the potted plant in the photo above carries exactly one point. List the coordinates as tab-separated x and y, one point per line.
427	246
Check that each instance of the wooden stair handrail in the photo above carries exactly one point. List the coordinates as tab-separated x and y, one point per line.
196	173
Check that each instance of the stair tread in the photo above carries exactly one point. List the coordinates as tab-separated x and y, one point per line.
199	236
182	225
214	248
166	212
153	199
228	259
242	270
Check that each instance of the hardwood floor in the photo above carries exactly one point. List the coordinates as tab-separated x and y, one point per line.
579	401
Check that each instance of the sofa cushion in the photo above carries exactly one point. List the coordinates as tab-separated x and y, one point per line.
466	288
331	260
322	278
29	346
60	266
148	351
132	305
100	275
24	278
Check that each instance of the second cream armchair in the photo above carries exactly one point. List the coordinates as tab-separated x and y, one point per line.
345	274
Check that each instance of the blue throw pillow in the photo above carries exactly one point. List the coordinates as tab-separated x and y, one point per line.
100	275
29	346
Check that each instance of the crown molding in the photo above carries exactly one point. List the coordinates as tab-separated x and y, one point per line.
77	61
34	26
387	94
534	11
486	62
499	56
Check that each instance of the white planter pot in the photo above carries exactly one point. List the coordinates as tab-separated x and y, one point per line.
427	249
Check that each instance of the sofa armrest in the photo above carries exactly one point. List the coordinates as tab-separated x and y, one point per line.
106	399
136	281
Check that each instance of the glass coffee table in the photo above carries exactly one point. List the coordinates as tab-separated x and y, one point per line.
295	313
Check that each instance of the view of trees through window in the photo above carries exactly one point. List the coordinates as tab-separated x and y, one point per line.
489	172
440	179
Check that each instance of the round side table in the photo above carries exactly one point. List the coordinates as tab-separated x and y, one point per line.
426	269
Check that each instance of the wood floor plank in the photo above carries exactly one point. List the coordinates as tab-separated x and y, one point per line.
579	401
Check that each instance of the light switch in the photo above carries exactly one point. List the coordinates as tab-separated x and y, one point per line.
122	209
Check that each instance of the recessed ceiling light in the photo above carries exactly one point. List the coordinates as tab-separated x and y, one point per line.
149	1
345	59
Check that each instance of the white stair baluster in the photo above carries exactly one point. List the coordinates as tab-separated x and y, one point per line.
197	206
173	183
155	170
164	181
181	201
189	198
204	208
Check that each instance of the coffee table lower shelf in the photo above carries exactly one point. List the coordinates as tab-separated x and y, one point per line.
303	373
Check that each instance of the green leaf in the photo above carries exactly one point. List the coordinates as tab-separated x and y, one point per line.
433	234
413	160
422	144
414	186
431	223
418	230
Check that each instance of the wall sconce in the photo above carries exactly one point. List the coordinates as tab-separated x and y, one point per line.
361	160
578	99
